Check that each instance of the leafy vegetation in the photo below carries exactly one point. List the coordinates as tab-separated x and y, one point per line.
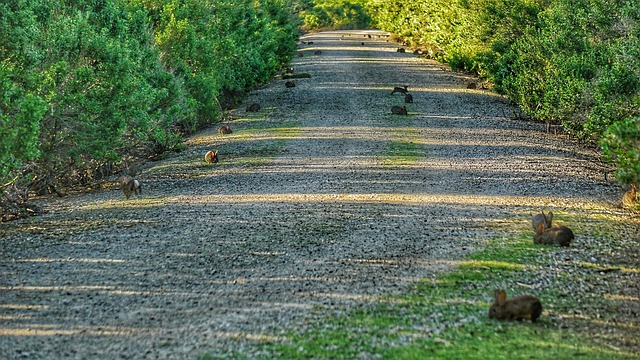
88	84
564	62
85	85
335	14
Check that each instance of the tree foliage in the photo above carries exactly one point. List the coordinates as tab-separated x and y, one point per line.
571	62
335	14
84	84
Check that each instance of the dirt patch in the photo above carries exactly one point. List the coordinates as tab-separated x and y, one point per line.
322	199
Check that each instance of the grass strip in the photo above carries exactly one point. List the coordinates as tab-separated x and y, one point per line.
446	318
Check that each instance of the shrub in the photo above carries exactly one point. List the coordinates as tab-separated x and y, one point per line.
84	84
336	14
621	146
571	62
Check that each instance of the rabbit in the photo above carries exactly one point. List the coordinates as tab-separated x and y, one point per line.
211	157
517	308
400	50
399	110
226	129
408	98
472	85
290	84
542	219
129	186
253	107
402	90
560	235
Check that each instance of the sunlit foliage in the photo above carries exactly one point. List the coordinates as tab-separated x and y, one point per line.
84	84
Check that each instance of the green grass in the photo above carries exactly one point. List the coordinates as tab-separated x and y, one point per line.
404	148
401	152
272	143
446	318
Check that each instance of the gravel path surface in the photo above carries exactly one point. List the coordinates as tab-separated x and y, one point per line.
321	199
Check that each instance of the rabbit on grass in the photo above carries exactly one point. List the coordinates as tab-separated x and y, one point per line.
517	308
560	235
542	218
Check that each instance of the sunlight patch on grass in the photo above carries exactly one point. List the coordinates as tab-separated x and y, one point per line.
121	203
390	198
401	152
490	265
405	148
446	317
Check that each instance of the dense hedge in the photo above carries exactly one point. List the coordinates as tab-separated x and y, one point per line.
335	14
571	62
86	83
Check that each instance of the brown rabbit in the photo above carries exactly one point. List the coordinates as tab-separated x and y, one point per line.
408	98
211	157
560	235
399	110
129	186
472	85
226	129
517	308
290	84
402	90
253	107
400	50
542	218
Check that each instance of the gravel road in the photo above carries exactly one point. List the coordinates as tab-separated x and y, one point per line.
322	200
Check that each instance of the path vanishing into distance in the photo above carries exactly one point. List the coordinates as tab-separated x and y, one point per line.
322	200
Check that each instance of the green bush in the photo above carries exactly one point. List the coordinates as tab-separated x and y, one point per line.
621	145
336	14
577	66
84	84
20	115
571	62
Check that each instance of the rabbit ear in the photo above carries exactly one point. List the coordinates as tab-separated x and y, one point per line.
540	228
502	297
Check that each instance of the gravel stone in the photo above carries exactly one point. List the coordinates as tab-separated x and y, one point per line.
302	213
